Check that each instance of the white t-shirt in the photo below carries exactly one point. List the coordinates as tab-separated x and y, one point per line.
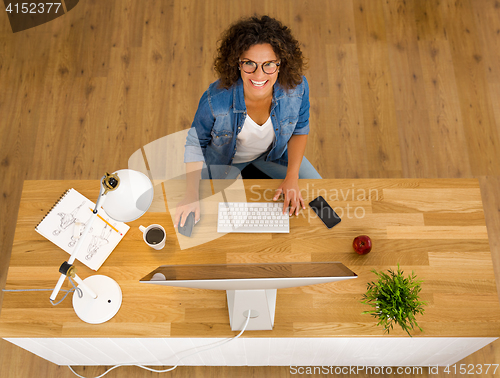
253	140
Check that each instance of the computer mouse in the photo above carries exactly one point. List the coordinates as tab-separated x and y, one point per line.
188	225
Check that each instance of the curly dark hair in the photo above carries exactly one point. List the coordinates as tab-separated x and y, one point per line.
253	31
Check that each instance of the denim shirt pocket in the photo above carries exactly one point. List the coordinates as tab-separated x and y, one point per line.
221	137
287	125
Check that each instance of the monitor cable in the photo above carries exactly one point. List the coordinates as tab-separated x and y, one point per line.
180	359
77	289
79	293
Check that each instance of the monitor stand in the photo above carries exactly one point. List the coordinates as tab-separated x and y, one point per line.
261	302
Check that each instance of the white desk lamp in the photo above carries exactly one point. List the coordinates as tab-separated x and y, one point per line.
125	196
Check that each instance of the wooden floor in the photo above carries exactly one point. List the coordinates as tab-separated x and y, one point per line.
399	88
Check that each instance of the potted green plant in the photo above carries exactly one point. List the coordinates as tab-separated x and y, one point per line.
395	300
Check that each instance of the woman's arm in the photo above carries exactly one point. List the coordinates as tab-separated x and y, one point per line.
197	140
190	203
296	149
290	185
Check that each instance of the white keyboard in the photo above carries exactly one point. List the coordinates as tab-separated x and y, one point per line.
252	217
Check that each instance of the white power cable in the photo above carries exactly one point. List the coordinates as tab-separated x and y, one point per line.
77	289
79	292
180	359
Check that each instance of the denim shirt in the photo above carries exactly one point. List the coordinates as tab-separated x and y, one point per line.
221	114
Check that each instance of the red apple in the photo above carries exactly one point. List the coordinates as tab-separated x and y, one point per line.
362	244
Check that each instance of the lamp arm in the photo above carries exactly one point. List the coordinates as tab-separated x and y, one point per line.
84	287
100	201
58	287
101	198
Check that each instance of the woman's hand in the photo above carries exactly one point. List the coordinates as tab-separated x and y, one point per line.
293	198
184	208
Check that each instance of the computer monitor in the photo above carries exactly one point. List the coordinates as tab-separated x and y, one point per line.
249	286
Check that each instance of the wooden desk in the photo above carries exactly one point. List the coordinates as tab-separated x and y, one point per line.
434	227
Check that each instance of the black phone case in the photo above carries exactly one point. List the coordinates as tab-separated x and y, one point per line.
319	205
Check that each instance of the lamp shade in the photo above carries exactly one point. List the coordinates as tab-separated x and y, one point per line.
132	198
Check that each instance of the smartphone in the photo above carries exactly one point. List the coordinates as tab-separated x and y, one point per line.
324	211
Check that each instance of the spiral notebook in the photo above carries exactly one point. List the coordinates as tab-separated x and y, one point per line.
65	222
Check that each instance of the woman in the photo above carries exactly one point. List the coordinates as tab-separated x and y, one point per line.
256	113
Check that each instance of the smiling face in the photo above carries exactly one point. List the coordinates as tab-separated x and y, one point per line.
259	85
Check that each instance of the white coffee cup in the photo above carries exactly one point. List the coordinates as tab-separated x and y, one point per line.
154	236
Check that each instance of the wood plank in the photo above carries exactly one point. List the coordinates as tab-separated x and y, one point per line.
475	102
437	232
377	89
486	15
411	108
344	120
455	219
429	21
491	198
446	128
453	200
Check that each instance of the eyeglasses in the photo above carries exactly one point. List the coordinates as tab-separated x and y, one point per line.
250	66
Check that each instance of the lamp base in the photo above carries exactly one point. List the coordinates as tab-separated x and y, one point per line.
105	306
